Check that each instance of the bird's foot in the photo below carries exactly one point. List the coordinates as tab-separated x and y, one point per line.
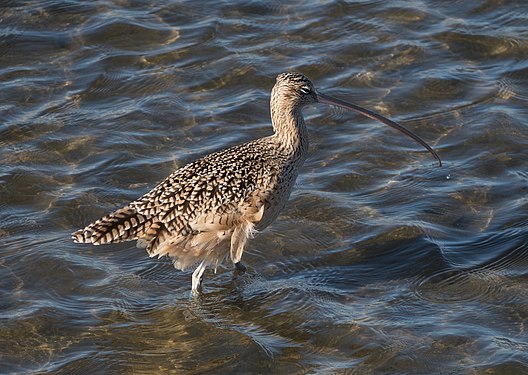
240	267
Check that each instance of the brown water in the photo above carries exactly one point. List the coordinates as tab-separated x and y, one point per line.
381	263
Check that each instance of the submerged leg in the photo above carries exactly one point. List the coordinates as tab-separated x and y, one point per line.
197	277
239	266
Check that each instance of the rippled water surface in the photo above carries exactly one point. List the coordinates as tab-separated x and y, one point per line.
381	263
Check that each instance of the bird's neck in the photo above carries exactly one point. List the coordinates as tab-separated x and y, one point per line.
291	134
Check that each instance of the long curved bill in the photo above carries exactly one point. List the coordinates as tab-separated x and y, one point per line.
321	98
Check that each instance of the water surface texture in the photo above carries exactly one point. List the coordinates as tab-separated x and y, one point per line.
381	263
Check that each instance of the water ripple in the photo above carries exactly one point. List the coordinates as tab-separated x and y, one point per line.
381	262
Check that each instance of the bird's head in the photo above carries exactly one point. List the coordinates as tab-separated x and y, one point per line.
294	90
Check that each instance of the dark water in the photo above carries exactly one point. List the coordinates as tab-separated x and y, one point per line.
382	263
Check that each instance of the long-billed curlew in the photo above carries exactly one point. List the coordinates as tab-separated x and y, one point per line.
206	210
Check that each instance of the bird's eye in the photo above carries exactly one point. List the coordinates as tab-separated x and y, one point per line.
305	90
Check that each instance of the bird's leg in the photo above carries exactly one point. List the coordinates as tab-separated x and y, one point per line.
239	266
197	277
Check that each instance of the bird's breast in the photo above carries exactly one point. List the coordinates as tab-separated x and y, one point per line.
276	194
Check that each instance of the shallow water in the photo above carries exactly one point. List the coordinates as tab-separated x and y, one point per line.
382	262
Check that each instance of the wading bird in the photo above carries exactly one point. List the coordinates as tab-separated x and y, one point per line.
205	211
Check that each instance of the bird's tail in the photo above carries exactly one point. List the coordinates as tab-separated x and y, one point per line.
125	224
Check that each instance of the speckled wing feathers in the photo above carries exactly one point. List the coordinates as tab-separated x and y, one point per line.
219	181
193	213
